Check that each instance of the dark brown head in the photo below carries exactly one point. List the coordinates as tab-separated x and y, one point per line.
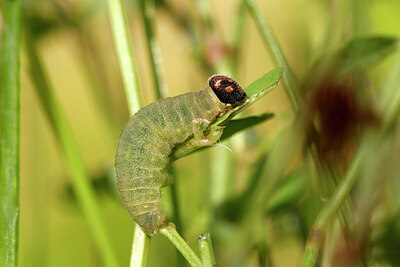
227	89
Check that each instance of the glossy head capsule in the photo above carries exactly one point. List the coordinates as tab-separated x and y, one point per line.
226	89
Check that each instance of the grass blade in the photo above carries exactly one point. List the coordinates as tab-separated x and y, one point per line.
128	70
10	118
206	250
255	91
139	248
277	54
80	179
153	46
170	232
123	46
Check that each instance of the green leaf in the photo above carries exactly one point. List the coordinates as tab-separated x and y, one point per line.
359	53
288	193
264	82
255	91
365	52
234	126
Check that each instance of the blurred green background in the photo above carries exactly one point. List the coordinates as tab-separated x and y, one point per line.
75	42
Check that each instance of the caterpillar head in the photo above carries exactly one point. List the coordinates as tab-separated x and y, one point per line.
226	89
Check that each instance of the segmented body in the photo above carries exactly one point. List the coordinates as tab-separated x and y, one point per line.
145	146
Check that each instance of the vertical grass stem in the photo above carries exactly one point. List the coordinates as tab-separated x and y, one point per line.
125	54
126	60
10	119
277	54
73	158
206	250
170	232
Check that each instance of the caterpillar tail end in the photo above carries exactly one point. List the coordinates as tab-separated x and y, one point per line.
150	223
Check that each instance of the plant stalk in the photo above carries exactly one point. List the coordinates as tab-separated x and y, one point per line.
74	161
277	54
10	132
170	232
122	41
139	248
206	250
153	47
317	232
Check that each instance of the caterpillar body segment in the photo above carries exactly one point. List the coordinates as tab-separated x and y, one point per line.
149	138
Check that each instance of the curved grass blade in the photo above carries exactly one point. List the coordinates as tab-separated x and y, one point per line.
255	91
235	126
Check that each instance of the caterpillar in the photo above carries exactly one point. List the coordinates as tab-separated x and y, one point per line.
161	132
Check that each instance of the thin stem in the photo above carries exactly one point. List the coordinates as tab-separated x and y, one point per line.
315	238
277	54
170	232
139	248
92	61
176	216
122	42
360	17
10	118
206	250
174	199
237	38
280	155
392	112
80	178
221	174
221	169
317	232
153	46
160	89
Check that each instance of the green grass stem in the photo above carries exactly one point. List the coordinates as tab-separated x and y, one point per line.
237	38
92	62
393	108
277	54
139	248
161	91
360	17
325	216
73	158
122	41
153	47
206	250
10	120
170	232
316	235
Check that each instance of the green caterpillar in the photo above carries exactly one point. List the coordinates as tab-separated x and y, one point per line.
162	132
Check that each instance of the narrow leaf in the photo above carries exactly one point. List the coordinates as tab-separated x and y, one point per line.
235	126
255	91
365	52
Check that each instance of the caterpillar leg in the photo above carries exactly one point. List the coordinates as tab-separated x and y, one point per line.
199	126
202	136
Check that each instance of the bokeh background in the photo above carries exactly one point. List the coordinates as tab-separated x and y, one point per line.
75	43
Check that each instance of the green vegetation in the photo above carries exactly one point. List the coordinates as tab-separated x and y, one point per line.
303	174
10	133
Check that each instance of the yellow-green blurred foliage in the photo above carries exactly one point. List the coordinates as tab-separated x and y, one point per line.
53	231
